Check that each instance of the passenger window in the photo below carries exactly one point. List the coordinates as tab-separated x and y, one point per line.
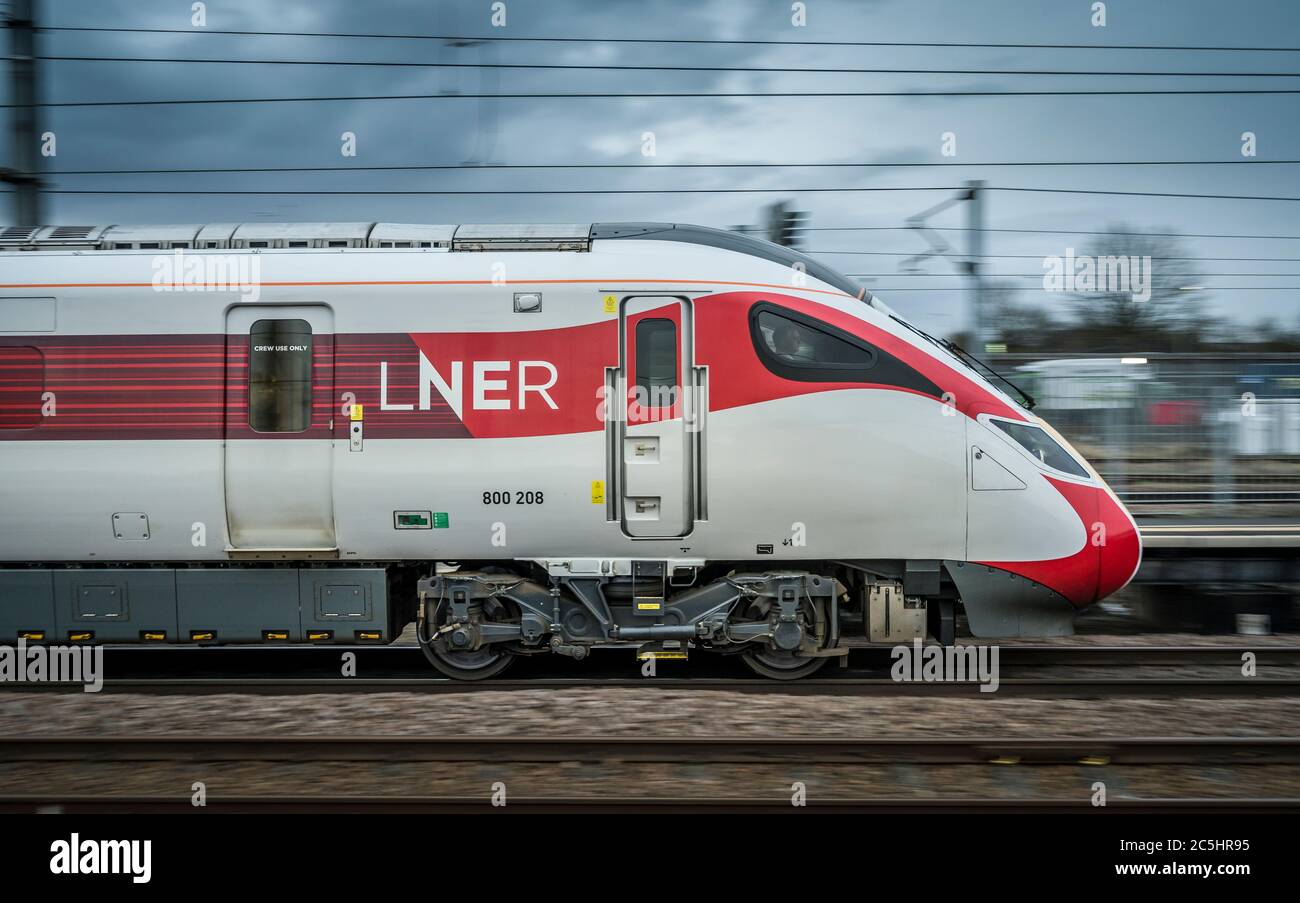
656	362
22	381
796	346
279	376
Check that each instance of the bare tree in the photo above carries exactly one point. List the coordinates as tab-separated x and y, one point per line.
1167	314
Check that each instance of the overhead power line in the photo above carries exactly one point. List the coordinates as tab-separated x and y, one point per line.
493	191
605	40
632	67
1040	275
1054	232
590	191
1147	194
642	95
470	167
962	256
957	288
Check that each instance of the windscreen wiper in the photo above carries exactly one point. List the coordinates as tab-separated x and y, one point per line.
977	364
974	363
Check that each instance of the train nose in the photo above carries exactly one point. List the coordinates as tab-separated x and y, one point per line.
1112	533
1119	549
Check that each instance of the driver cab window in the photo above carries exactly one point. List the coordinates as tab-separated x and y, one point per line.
798	347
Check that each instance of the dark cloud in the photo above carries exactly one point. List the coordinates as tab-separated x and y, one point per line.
454	129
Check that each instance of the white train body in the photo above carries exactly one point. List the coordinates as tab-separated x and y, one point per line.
480	400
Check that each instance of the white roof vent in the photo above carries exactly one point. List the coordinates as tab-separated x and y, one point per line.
532	237
410	235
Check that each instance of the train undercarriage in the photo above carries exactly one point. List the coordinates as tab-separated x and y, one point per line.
783	623
784	619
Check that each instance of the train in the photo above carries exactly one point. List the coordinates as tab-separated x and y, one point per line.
514	440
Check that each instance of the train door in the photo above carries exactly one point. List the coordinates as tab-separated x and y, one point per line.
279	427
657	442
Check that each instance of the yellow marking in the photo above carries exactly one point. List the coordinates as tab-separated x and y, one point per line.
611	304
680	656
80	636
275	635
368	635
1095	760
357	411
648	606
152	635
202	635
598	492
33	634
1005	760
318	635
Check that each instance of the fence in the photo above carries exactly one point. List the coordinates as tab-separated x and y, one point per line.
1206	435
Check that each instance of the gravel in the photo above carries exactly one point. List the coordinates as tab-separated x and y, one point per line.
638	712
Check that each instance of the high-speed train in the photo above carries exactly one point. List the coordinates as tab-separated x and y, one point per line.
522	439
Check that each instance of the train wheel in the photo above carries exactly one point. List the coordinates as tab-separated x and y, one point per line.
488	660
477	665
778	665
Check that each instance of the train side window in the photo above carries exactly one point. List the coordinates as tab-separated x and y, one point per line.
22	382
799	347
279	376
656	361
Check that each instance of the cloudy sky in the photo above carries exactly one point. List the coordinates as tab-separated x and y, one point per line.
450	128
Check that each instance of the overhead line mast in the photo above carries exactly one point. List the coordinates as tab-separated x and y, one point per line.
25	174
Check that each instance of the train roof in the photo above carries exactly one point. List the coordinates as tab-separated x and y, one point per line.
462	237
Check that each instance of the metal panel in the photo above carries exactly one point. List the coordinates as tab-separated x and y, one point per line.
26	603
216	235
317	235
54	237
1001	604
531	237
437	236
115	603
344	601
163	237
237	605
28	315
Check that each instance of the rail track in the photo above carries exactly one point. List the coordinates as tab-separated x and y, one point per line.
79	752
1200	751
403	654
1026	670
844	686
609	805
